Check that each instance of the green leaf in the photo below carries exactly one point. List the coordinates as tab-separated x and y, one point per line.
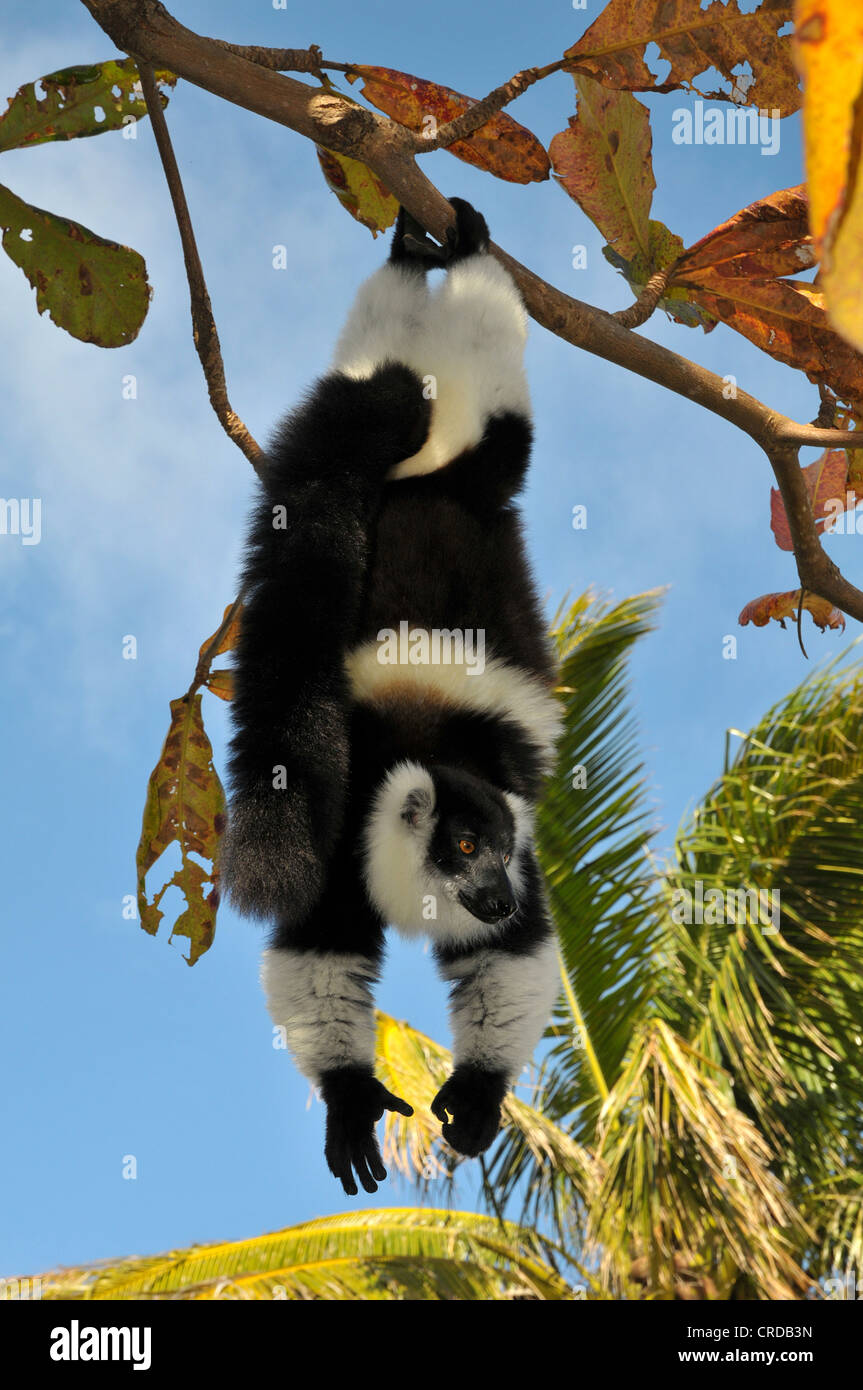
185	805
359	190
603	161
95	289
593	831
72	101
395	1254
782	1007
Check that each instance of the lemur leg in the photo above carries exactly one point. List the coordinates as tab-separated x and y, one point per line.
303	578
503	995
471	350
318	979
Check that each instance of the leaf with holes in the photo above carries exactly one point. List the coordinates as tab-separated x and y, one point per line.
693	38
603	161
501	146
359	190
96	289
759	611
185	806
826	481
829	53
72	98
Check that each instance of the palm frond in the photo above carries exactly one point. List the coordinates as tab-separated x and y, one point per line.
402	1253
777	996
410	1063
687	1175
593	829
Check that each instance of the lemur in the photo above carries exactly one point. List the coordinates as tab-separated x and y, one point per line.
369	791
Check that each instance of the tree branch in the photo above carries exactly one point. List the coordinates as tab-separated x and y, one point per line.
204	329
146	30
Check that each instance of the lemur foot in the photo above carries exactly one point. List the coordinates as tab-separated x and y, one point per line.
412	246
469	236
355	1101
473	1097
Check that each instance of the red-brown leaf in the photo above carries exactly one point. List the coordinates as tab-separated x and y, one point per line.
759	611
826	482
501	146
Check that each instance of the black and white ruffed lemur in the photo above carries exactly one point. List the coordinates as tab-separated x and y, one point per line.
367	792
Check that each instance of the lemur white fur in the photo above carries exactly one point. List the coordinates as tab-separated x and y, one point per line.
466	338
501	1004
324	1003
499	689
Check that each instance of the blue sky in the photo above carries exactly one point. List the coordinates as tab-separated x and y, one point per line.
112	1045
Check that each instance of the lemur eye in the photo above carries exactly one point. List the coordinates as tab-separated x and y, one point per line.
466	846
506	858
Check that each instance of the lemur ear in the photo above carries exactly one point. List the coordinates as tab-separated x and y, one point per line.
418	807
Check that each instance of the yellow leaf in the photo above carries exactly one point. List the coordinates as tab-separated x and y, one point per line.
185	805
828	49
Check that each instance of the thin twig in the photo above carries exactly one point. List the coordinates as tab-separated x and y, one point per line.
800	623
203	324
639	312
280	59
460	127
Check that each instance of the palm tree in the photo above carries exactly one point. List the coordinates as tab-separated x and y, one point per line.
693	1127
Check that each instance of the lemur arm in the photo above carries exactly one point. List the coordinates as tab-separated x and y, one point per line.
503	995
318	978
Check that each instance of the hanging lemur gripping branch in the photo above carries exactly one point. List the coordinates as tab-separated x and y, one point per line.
373	781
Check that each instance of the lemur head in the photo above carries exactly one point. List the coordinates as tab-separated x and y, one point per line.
443	851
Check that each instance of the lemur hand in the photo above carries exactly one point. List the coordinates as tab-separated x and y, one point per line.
412	246
473	1097
355	1101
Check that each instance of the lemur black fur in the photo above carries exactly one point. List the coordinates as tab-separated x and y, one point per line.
367	791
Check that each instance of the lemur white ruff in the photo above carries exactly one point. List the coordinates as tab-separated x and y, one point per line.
407	791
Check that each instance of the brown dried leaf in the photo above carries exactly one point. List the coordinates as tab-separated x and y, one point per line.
724	272
221	683
693	40
185	805
759	611
502	147
769	237
603	161
826	482
229	637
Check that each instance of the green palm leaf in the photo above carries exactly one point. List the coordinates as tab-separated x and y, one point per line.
401	1253
592	842
782	1008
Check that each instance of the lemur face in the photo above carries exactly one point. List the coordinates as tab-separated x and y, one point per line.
444	852
471	844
